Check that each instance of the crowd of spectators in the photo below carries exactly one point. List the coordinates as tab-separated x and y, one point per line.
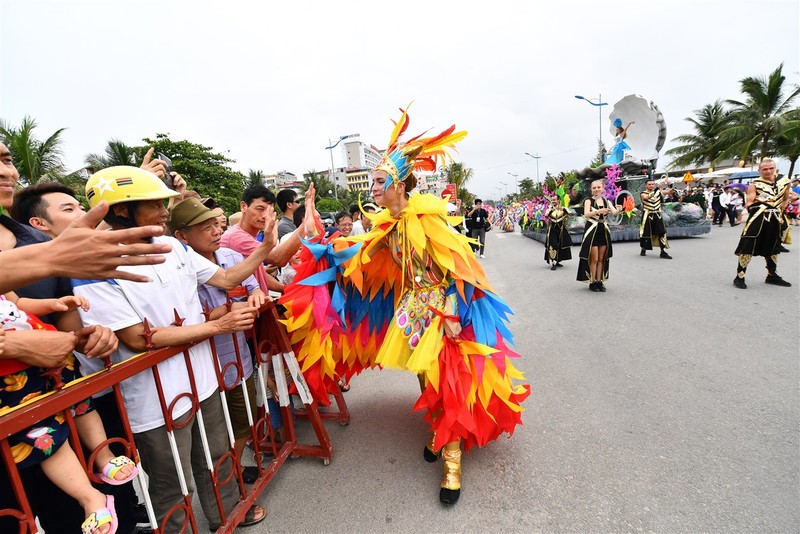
103	275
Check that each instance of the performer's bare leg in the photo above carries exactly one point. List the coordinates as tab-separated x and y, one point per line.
599	275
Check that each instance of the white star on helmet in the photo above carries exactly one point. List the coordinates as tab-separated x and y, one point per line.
104	184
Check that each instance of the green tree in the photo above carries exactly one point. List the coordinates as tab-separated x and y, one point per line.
34	159
758	120
321	185
329	204
600	157
527	188
254	177
704	145
787	145
205	171
116	153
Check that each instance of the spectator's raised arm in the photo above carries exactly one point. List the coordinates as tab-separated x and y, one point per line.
83	252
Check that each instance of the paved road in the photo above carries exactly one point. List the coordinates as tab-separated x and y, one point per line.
668	404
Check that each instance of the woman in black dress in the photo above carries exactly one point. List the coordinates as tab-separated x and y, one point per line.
596	243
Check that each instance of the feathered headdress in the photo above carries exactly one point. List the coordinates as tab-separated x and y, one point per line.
423	153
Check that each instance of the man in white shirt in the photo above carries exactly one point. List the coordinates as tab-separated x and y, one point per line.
725	200
136	198
364	223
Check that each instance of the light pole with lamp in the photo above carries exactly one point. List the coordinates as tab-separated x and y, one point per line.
505	184
516	180
599	105
333	169
537	157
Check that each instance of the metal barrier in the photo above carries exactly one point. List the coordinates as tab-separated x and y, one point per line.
273	348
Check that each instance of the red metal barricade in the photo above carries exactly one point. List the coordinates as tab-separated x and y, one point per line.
273	348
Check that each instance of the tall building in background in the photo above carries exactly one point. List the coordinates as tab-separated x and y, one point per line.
359	155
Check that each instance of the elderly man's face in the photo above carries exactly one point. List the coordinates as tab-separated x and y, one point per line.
8	177
203	237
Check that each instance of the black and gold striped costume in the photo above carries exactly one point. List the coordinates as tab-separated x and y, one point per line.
652	231
558	245
761	235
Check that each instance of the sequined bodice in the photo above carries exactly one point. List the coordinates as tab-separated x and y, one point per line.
420	270
768	194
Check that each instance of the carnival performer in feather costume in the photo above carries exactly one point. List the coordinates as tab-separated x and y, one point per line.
411	295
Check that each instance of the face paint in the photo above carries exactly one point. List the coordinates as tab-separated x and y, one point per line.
389	181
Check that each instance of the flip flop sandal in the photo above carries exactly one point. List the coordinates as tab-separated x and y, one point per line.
344	388
103	516
113	467
256	514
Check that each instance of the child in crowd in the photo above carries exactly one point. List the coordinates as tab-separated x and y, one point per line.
46	443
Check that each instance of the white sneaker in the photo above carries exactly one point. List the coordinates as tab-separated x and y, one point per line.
483	255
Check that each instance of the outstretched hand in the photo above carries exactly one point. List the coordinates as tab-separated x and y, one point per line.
108	250
309	220
270	228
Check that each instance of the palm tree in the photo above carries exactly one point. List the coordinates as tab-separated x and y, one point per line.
758	121
321	184
34	159
254	177
787	144
704	145
116	153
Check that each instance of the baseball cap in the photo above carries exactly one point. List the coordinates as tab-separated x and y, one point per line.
369	206
189	212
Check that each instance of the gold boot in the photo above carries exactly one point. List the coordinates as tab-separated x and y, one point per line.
451	481
429	453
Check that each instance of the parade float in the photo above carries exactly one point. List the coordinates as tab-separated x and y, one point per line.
631	162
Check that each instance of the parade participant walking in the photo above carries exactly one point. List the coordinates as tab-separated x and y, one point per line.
412	296
596	244
651	230
558	245
761	235
479	225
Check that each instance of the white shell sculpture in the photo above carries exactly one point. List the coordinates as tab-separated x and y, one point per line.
647	136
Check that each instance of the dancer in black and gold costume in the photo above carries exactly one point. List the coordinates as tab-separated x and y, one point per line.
558	245
596	244
765	202
652	229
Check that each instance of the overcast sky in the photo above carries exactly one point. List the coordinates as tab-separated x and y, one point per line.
269	83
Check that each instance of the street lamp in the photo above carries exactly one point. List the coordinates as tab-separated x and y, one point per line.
516	180
599	105
333	170
537	157
505	184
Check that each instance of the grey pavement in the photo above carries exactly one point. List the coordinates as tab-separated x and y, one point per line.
668	404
